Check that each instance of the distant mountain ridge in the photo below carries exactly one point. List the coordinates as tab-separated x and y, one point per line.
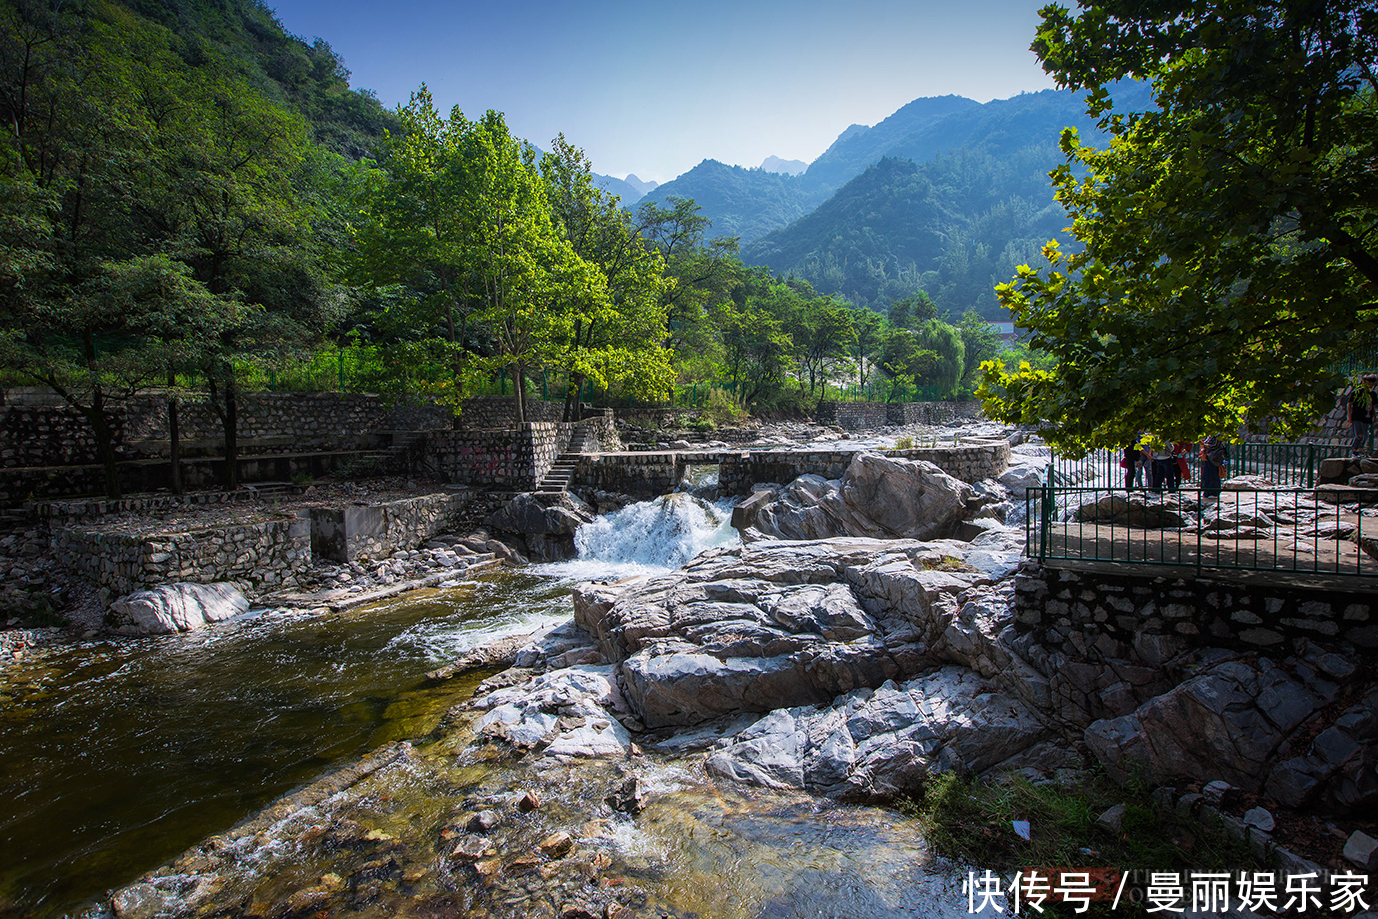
755	202
789	167
955	204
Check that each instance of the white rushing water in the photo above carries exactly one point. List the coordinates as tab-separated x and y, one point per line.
649	537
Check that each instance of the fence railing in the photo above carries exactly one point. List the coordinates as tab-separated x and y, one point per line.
1282	529
1281	464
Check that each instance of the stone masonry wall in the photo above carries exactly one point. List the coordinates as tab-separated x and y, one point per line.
970	463
1073	609
512	459
858	416
261	557
740	471
642	475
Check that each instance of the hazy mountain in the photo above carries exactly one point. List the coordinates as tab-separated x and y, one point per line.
751	202
789	167
859	146
747	203
629	193
643	186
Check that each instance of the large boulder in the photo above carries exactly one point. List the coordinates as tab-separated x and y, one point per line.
545	524
181	607
878	497
883	742
778	624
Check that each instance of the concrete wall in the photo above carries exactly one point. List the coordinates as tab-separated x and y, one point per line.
641	475
374	531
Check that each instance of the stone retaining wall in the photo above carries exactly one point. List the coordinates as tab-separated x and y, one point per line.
740	471
641	475
261	557
970	463
514	459
860	416
375	531
1078	610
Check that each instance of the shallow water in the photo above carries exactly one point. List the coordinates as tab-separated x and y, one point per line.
117	755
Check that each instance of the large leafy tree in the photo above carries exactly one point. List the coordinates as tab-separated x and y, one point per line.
616	339
1231	233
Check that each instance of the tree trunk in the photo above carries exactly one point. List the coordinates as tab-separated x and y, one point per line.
519	391
105	443
573	382
174	437
231	437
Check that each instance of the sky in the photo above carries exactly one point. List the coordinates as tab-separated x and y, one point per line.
652	88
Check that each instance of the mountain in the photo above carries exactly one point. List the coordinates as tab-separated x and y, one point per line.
628	192
311	80
641	186
747	203
789	167
955	227
911	126
755	202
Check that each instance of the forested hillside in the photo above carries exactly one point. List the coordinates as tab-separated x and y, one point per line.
310	79
953	224
953	227
745	203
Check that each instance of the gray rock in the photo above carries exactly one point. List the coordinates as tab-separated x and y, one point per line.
878	497
1224	723
1260	817
875	744
178	607
1112	820
1361	849
1220	794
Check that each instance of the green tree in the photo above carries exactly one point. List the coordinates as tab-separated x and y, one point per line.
531	284
617	339
1231	235
908	312
824	337
409	249
980	343
706	275
870	334
945	341
905	362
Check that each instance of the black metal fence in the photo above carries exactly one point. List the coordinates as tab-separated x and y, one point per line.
1283	529
1280	464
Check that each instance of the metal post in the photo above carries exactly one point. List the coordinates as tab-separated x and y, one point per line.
1310	465
1046	515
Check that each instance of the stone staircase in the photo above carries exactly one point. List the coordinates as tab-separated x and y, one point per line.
561	474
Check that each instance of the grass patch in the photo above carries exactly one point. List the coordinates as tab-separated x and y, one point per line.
904	443
972	822
945	563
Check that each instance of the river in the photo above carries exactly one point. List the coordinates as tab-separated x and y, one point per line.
117	755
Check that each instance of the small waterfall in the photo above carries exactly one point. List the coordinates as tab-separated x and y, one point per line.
649	537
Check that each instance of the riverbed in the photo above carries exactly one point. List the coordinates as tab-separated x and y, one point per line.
117	755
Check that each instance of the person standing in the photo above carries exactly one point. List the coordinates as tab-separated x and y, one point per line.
1359	412
1161	453
1130	464
1215	456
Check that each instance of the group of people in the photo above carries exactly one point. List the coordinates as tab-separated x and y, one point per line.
1153	462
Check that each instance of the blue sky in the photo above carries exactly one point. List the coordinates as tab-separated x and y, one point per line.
653	88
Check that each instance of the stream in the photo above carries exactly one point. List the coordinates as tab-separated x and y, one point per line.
116	756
